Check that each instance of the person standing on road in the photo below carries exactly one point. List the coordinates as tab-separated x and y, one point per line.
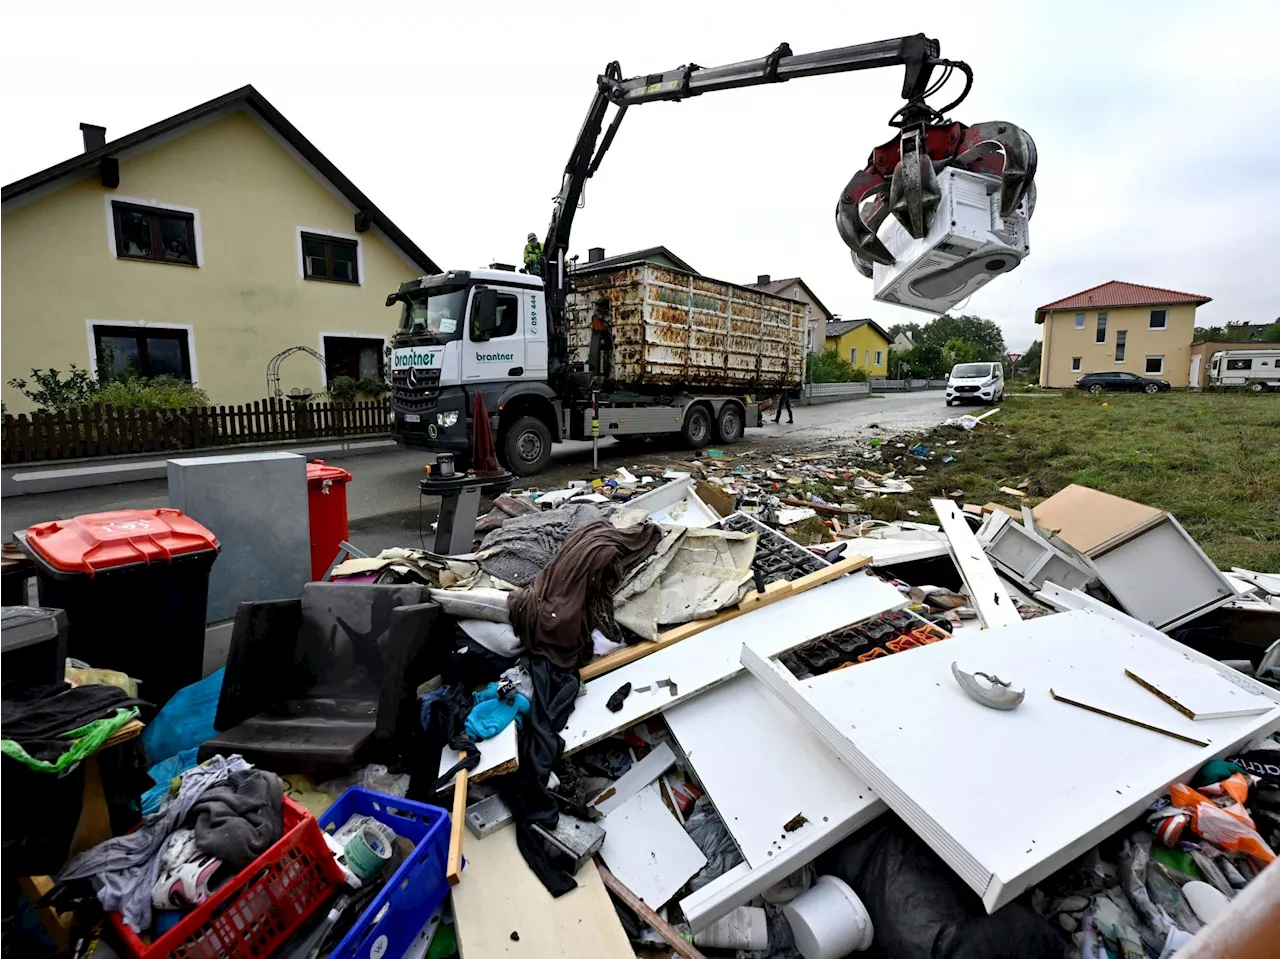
784	399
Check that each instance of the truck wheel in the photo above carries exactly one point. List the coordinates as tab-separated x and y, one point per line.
697	427
729	424
526	446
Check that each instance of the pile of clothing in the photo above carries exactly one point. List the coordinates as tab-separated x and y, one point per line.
52	728
219	818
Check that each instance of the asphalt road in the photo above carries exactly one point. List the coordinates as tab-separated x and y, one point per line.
384	506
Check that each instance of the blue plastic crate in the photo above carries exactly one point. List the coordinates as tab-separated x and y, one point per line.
413	893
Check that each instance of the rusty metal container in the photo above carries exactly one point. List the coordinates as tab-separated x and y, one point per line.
648	327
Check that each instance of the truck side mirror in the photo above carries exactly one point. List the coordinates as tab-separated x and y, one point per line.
484	313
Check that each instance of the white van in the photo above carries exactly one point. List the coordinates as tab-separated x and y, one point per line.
983	382
1255	370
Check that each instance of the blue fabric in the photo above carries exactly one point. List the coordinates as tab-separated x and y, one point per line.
185	721
424	705
491	715
162	774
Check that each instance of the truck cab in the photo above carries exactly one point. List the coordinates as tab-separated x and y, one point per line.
464	333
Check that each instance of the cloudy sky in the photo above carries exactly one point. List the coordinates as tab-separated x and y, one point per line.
1158	125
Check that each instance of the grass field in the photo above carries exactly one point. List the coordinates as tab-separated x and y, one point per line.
1212	460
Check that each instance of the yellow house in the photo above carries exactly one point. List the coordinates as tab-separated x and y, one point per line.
1117	326
862	342
202	246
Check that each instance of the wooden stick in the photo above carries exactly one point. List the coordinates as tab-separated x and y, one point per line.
454	870
637	905
1126	719
1169	700
753	600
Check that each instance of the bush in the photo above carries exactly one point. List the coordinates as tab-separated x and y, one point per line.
372	386
831	367
52	394
343	389
156	393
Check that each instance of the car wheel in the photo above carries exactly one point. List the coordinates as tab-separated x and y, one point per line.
729	424
1151	388
526	446
1256	387
949	402
697	427
1095	389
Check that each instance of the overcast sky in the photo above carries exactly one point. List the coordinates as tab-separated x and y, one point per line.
1158	126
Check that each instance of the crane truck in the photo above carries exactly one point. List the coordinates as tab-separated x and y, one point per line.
640	349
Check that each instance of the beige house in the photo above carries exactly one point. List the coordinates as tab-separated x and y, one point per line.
1118	327
202	246
816	315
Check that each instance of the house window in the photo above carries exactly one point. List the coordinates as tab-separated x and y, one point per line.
1159	319
147	233
853	356
867	358
359	357
1121	336
879	357
508	318
1155	364
329	258
141	351
1075	364
1079	321
1102	329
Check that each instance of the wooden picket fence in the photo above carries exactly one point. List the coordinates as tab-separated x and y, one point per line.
99	430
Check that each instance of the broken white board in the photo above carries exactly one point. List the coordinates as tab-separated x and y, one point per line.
493	752
1199	692
640	775
648	850
772	780
981	580
1008	797
682	670
676	504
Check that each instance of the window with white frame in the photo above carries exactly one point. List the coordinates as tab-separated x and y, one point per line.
1155	364
1101	336
1076	364
330	258
879	357
1079	321
1121	337
145	351
853	356
867	360
1159	319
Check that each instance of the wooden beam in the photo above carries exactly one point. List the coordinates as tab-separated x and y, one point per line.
454	870
753	600
679	946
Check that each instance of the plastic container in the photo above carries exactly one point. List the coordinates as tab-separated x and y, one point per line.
327	512
135	588
34	644
394	918
829	921
257	911
747	927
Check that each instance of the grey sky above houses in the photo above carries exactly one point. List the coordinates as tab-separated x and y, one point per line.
1157	123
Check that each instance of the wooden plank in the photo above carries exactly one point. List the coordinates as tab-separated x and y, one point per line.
57	925
1010	491
678	944
984	586
453	871
648	850
1058	697
1199	693
902	724
641	773
1000	507
688	668
1087	518
502	896
752	601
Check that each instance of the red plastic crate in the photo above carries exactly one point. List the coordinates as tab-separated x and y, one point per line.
257	911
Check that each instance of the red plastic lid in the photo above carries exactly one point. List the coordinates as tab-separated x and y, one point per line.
317	471
99	541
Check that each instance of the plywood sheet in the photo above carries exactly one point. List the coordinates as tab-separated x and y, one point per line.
648	850
641	773
499	895
1086	518
763	768
982	583
1006	798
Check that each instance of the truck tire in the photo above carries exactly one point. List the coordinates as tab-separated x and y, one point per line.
697	427
526	446
729	425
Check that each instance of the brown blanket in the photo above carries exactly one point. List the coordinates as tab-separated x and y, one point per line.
573	594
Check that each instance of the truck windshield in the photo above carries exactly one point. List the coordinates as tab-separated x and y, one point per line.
436	310
968	371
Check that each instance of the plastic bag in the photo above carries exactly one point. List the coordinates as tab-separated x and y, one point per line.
185	721
163	774
1228	826
707	830
374	776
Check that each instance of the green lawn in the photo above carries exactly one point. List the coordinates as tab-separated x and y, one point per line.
1210	459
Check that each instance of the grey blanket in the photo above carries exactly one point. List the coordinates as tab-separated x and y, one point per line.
124	869
523	545
240	820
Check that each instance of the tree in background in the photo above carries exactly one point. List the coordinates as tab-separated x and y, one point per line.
984	334
961	351
1029	362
